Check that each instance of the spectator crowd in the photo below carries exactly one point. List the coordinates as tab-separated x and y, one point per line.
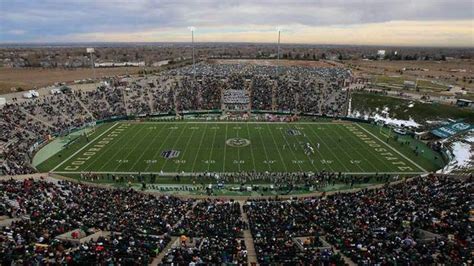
425	220
140	224
27	123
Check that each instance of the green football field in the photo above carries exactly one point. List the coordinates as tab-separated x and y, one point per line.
198	147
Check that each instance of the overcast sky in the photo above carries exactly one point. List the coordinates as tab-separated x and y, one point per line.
378	22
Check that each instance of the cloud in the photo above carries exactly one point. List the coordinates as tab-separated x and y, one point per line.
397	33
148	19
16	32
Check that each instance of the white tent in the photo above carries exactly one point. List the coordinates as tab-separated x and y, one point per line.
30	94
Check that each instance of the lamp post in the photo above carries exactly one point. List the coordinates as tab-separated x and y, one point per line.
278	51
192	29
91	51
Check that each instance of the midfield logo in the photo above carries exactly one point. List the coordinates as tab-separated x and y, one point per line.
170	154
237	142
293	132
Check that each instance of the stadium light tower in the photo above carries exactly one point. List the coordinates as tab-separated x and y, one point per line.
192	29
279	29
91	51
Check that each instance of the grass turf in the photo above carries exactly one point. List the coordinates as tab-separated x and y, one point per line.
203	146
399	108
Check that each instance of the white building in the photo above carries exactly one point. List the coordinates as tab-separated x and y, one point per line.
121	64
381	53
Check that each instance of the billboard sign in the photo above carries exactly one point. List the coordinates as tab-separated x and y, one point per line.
451	129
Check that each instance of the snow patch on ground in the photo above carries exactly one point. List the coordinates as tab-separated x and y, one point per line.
385	118
357	114
395	122
462	157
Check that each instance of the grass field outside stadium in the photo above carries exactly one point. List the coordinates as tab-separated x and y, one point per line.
186	147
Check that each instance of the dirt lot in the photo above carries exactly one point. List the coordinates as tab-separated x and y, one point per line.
28	78
273	62
440	71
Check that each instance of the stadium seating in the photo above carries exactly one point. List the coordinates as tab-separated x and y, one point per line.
25	123
421	221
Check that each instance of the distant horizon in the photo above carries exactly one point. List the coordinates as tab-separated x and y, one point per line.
390	23
85	43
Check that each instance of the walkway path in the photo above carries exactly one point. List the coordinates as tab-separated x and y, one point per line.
248	239
158	260
46	123
347	260
85	107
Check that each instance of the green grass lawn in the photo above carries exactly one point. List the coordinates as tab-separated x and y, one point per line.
390	80
399	108
430	86
425	85
190	147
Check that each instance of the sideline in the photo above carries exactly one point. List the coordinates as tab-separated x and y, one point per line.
90	142
55	178
399	153
234	122
51	148
205	173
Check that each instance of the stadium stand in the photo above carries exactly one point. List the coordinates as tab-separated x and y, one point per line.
25	123
424	220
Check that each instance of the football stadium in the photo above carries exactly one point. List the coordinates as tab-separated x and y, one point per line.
236	149
253	155
230	147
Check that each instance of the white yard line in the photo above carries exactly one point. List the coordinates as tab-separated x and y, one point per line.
318	151
158	150
238	152
358	142
199	148
174	144
265	150
99	156
399	153
251	150
186	148
231	122
236	122
289	147
346	153
120	149
310	160
225	148
330	150
150	146
85	146
202	173
212	149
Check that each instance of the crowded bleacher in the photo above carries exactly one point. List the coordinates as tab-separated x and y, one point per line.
425	220
26	123
422	221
